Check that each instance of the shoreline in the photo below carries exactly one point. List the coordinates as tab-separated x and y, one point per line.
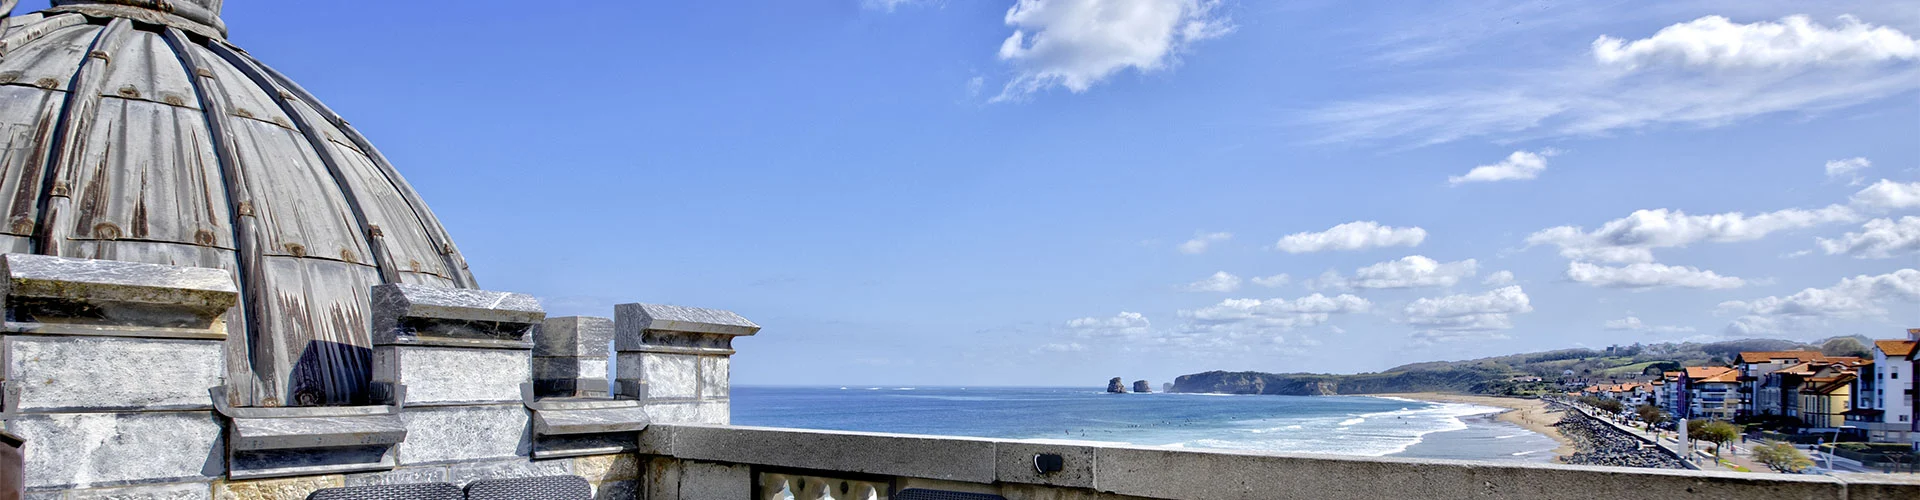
1530	414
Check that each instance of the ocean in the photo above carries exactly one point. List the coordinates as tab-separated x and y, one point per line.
1344	425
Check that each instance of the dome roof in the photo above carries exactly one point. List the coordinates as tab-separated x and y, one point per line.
134	131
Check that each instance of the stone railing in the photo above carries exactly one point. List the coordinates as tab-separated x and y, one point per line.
696	461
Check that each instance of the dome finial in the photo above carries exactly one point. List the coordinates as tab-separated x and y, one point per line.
198	16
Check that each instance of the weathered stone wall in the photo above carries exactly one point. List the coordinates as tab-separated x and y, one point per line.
126	410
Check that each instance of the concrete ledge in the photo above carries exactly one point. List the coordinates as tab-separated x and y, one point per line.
1093	469
950	458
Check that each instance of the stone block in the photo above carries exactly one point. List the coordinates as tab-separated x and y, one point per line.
67	373
452	375
687	330
605	468
419	314
661	478
931	457
711	480
173	491
577	445
315	432
579	336
589	420
665	375
712	412
403	475
467	472
715	379
83	450
272	463
275	489
96	281
462	433
1014	463
616	490
551	368
631	319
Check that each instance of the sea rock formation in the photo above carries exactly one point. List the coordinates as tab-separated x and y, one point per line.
1166	387
1116	386
1142	386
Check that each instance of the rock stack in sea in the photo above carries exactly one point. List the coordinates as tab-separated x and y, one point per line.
1142	386
1116	386
1600	443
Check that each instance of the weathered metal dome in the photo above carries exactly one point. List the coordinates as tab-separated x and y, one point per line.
136	132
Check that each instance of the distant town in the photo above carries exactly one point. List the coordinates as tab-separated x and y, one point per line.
1861	407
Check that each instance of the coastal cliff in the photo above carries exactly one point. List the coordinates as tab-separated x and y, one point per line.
1314	384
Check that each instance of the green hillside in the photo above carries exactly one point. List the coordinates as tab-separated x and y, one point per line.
1507	374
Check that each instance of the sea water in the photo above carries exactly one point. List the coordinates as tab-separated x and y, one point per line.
1345	425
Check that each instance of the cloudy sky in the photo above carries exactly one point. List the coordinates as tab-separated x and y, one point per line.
1054	192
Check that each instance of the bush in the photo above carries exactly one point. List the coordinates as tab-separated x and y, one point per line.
1782	457
1650	414
1712	431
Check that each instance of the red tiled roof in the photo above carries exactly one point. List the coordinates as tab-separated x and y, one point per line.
1895	347
1713	373
1765	356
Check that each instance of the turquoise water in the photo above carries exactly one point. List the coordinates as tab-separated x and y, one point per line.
1346	425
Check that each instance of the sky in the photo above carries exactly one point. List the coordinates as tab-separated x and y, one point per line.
1055	192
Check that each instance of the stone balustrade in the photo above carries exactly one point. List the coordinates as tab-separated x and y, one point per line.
697	461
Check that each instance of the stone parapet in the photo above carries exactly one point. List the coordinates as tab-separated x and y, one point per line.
676	359
570	356
715	456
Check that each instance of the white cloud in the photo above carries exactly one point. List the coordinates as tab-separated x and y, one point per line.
1717	42
1888	195
1273	314
1220	282
1860	296
1201	241
1878	239
1848	169
1498	278
1453	316
1633	324
1407	272
1682	76
1077	43
885	5
1358	235
1521	165
1642	275
1126	325
1275	281
1061	347
1632	238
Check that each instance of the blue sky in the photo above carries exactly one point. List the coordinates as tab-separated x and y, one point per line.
1060	191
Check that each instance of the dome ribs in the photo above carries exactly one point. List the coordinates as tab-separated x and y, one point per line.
244	386
34	31
388	272
70	133
437	234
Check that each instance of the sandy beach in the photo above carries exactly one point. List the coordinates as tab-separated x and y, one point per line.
1531	414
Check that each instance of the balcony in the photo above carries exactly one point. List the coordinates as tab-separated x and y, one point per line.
723	461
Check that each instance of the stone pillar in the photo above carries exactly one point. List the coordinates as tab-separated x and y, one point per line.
107	369
570	357
676	360
461	355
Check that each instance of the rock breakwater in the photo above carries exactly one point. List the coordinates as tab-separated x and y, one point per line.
1600	443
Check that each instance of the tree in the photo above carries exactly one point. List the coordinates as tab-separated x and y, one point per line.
1782	457
1845	346
1651	415
1712	431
